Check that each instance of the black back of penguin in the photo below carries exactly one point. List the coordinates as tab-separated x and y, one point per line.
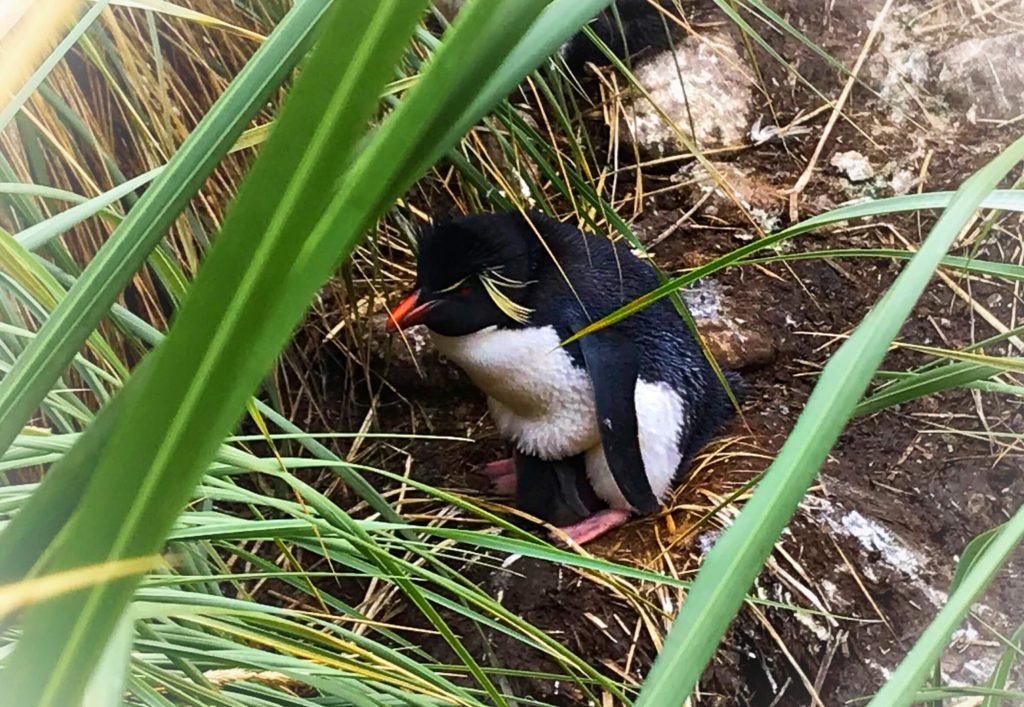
605	276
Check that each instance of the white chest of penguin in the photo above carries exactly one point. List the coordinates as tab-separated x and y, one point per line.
543	402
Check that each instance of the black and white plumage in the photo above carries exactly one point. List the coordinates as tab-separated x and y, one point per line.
628	405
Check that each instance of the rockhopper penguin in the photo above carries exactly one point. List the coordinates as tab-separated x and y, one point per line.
602	426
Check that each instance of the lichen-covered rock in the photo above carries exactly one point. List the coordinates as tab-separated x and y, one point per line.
703	84
899	66
984	75
853	165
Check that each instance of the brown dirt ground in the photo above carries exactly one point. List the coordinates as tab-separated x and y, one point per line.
911	471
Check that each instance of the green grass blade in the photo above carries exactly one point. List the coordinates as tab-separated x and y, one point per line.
43	192
902	686
24	268
964	567
994	696
1002	199
37	235
1008	271
929	382
737	557
1001	673
1003	363
110	270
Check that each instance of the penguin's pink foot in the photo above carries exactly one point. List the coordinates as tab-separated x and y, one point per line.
594	526
495	470
501	476
504	485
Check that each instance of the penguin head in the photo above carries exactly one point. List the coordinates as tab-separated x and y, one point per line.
471	273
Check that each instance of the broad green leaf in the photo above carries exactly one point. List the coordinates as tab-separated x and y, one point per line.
106	686
738	555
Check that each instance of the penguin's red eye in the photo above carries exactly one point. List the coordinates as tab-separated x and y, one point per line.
465	290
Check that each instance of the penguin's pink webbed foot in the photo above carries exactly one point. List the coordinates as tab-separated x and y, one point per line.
502	477
502	467
595	526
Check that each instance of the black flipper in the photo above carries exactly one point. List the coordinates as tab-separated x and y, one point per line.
613	366
556	492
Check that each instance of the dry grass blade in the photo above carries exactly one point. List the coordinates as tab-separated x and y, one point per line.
19	595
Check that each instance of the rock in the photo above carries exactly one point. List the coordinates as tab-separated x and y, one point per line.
703	299
899	66
854	165
903	181
736	346
733	342
714	95
760	199
985	74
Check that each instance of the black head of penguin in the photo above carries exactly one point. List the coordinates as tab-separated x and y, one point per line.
463	269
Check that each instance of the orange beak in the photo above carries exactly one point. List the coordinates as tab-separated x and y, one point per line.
408	312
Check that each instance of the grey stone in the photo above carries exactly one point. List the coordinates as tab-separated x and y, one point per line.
714	95
853	165
985	74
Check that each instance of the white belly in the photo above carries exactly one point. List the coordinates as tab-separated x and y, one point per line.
545	404
538	398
